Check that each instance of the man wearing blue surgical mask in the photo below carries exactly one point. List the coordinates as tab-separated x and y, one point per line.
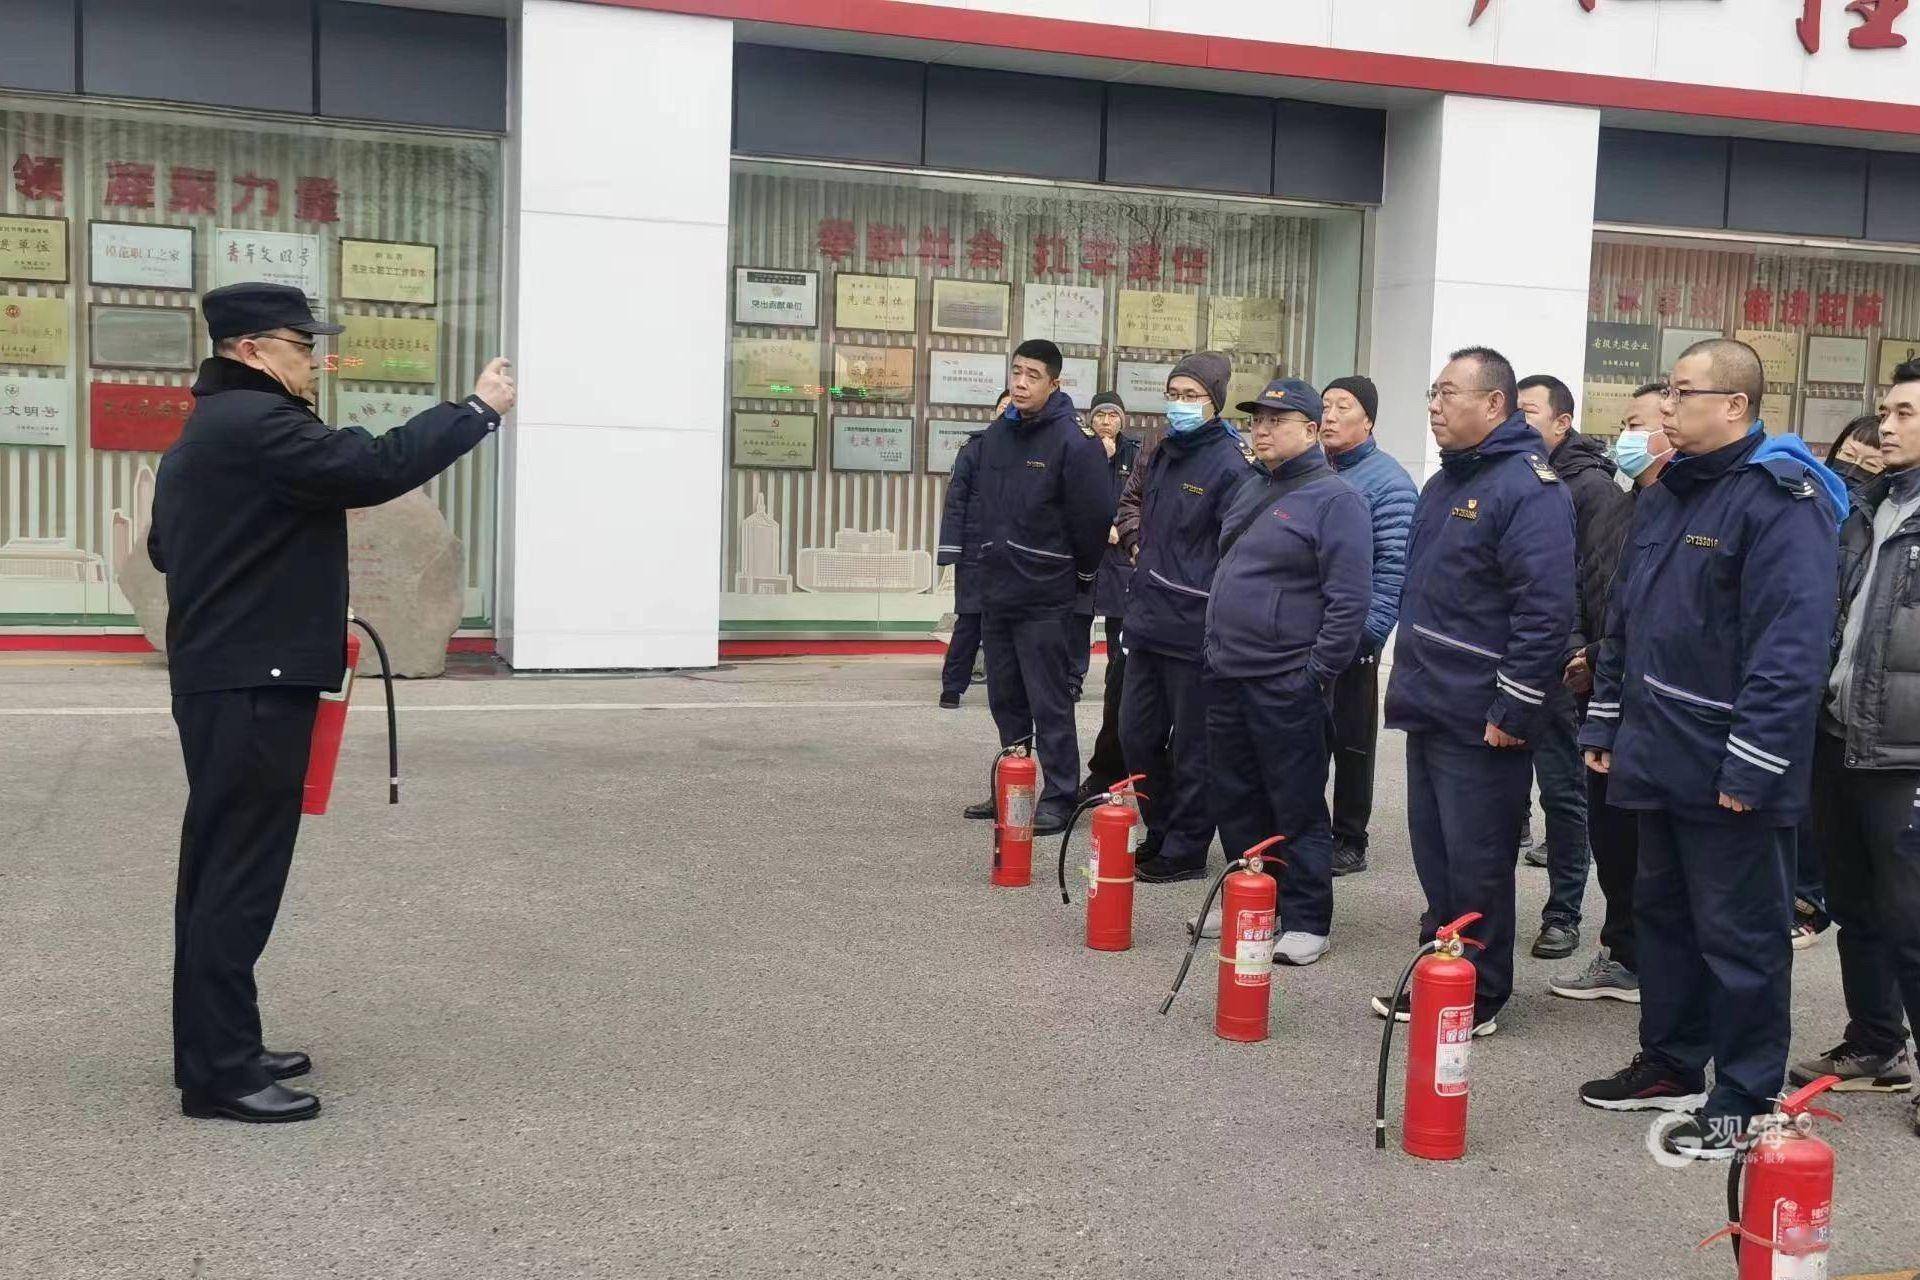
1642	452
1184	488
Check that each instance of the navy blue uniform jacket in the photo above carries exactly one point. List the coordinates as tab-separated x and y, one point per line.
1488	602
1116	571
1295	575
1189	481
960	526
1716	651
1044	510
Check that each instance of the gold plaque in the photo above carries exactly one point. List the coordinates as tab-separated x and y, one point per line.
389	349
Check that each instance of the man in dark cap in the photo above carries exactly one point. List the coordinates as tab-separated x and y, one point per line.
1175	545
1348	406
1107	765
249	526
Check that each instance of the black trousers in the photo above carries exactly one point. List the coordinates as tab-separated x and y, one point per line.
1108	764
1267	739
1163	723
246	757
956	673
1560	767
1464	803
1714	907
1356	731
1027	694
1079	647
1861	819
1616	860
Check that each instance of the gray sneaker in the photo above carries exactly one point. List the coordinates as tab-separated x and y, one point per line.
1860	1070
1604	978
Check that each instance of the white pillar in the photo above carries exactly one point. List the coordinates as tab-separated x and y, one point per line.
611	478
1484	239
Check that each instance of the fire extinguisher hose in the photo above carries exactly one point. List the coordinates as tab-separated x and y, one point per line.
1193	947
1735	1167
393	719
1089	803
1386	1048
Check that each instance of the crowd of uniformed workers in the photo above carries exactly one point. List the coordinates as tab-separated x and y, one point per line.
1702	642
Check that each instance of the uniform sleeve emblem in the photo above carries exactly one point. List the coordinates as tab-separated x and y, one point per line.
1541	469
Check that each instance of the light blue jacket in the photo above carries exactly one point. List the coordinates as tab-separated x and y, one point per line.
1390	495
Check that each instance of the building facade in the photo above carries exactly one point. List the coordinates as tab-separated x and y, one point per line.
761	262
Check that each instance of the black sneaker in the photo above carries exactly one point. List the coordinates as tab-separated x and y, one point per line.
950	701
1701	1137
1402	1009
1091	788
1349	859
985	809
1535	855
1556	941
1642	1086
1162	870
1860	1070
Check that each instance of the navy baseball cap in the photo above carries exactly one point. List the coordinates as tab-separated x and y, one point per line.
235	310
1286	394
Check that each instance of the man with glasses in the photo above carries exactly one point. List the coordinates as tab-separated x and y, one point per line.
1184	487
1702	717
1287	613
250	528
1484	619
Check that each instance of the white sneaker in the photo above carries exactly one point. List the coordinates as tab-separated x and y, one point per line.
1300	948
1211	929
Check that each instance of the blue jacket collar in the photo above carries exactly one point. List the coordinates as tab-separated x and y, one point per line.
1059	406
1303	464
1512	436
1354	456
1202	434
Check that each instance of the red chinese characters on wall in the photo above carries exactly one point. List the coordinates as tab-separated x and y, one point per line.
885	242
936	246
1050	255
316	200
126	417
191	190
249	183
129	185
835	239
39	177
1866	310
985	251
1875	29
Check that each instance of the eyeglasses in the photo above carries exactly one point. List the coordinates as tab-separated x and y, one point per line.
1273	421
1187	397
1454	393
1681	393
292	342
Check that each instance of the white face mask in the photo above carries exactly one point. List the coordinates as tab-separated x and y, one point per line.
1633	451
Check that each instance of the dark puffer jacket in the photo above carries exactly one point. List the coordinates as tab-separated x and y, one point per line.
1601	512
1883	698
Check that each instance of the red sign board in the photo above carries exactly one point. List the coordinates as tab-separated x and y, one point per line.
136	419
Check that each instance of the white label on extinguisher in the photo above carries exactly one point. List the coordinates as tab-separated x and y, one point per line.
1253	949
1093	874
1019	808
1450	1048
1800	1237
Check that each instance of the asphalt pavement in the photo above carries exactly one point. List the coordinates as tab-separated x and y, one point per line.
691	975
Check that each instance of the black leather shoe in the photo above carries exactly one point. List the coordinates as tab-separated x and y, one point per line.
275	1104
1556	941
1349	859
1159	870
982	810
949	702
285	1066
1050	817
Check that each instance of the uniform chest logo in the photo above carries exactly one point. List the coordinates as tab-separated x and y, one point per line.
1036	464
1192	488
1469	512
1701	540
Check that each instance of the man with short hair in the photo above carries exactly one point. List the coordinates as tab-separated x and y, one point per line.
250	528
1348	406
1600	512
1285	617
1866	764
1642	452
1484	621
1185	485
1043	527
1702	717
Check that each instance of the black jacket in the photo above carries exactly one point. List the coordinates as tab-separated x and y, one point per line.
250	526
1601	512
1116	568
1044	511
960	526
1882	724
1189	481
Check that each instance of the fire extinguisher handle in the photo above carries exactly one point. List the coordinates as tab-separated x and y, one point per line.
1800	1099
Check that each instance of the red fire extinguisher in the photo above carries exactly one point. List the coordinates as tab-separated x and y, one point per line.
1109	869
1245	993
1016	785
330	726
1433	1120
1781	1221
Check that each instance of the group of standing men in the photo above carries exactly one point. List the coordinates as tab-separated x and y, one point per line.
1664	657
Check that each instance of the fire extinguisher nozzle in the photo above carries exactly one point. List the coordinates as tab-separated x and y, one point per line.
1380	1134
